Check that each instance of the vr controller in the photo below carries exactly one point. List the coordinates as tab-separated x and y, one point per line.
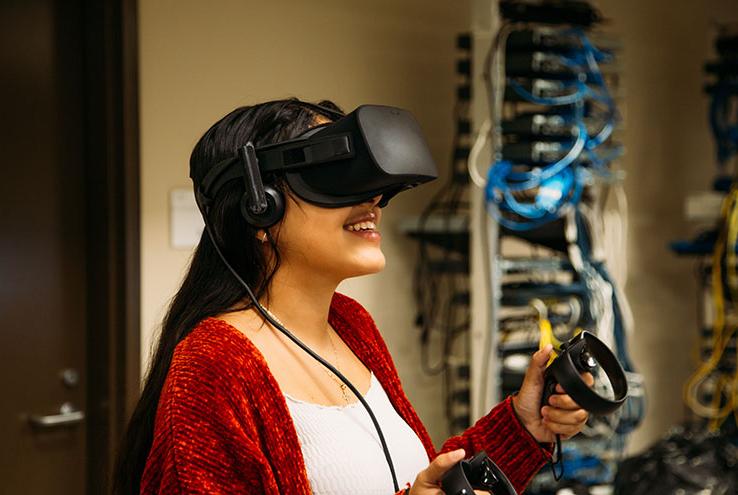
477	473
583	353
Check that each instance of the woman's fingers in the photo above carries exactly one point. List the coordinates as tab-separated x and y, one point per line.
563	401
563	416
566	431
586	376
435	471
575	417
426	483
588	379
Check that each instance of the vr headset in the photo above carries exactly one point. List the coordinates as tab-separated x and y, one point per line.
375	150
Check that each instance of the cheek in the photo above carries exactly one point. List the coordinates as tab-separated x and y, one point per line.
319	240
312	235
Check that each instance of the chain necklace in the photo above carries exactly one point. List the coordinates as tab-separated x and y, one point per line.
343	387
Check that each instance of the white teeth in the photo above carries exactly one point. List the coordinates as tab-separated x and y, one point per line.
362	226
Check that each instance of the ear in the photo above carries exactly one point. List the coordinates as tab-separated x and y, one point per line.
261	235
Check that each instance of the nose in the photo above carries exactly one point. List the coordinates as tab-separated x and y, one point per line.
374	201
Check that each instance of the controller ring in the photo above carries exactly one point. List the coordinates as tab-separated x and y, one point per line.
566	370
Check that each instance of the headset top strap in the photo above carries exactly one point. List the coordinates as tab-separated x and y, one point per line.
280	157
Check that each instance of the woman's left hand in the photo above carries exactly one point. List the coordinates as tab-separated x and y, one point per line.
560	416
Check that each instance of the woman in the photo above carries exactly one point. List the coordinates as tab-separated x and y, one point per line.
232	406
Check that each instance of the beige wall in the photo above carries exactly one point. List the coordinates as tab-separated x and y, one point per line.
200	59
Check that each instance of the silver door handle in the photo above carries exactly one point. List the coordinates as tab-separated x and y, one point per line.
67	416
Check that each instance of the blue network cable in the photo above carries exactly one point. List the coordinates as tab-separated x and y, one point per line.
580	92
552	196
559	184
533	178
634	410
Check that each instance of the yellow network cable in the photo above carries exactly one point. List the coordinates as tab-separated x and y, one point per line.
547	337
725	244
546	330
691	396
733	287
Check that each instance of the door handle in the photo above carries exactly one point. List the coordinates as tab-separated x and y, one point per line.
68	416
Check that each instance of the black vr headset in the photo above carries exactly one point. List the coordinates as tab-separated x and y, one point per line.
375	150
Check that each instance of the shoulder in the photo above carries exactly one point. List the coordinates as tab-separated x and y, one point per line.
214	355
205	431
213	340
215	378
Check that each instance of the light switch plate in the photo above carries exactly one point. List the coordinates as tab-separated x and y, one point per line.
185	227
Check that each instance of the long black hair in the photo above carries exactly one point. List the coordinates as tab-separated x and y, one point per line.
208	288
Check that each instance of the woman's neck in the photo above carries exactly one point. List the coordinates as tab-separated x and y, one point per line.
301	300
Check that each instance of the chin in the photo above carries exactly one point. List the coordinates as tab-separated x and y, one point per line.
368	265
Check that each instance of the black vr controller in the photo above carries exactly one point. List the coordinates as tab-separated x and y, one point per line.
477	473
583	353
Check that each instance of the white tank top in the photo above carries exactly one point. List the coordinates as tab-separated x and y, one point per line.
341	447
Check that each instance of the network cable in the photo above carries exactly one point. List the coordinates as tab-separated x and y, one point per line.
552	187
722	330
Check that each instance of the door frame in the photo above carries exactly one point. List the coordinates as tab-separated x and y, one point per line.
113	229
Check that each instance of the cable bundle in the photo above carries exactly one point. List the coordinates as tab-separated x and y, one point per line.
553	117
548	151
723	93
712	390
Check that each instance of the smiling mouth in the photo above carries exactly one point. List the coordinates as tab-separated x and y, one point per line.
367	230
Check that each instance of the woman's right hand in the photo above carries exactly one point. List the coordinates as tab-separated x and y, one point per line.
428	481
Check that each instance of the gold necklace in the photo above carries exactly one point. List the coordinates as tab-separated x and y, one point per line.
342	386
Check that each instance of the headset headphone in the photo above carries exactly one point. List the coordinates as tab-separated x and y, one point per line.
262	205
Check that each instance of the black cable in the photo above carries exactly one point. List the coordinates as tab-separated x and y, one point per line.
302	346
435	290
427	284
557	459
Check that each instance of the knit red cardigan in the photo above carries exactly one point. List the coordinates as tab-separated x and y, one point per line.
223	427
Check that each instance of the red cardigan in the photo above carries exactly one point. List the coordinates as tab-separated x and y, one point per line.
223	427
